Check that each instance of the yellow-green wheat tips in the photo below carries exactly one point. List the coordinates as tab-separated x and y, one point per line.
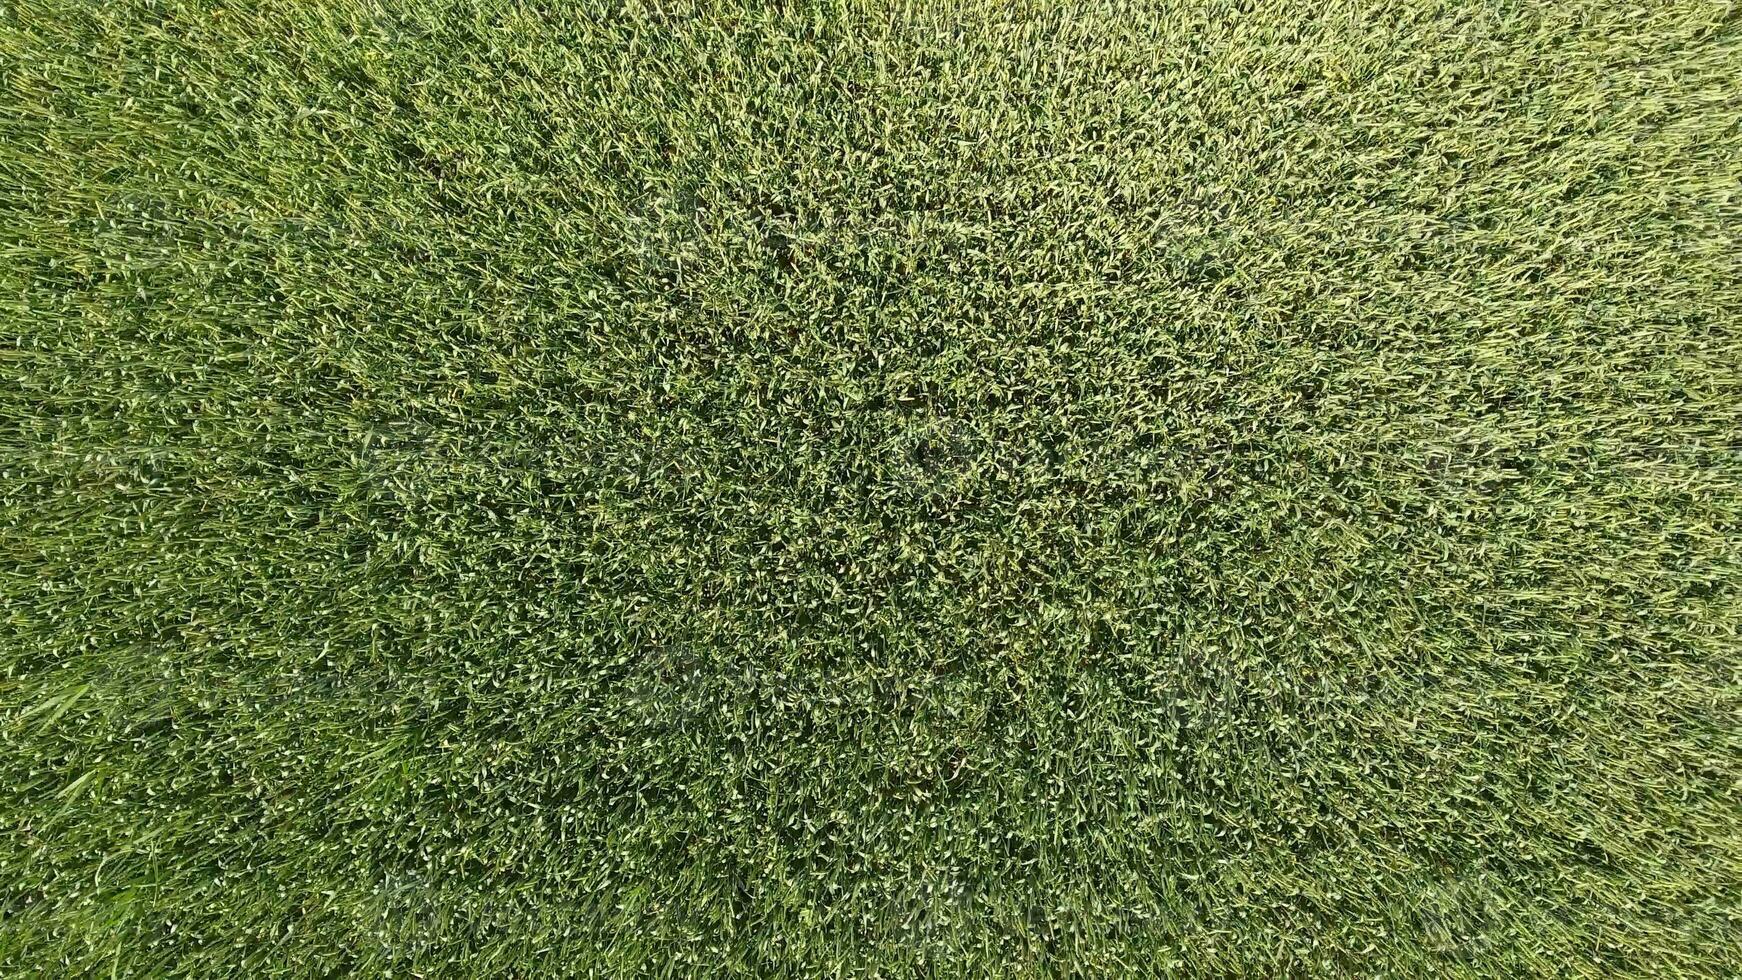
946	489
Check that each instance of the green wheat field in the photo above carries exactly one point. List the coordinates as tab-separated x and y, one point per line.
969	489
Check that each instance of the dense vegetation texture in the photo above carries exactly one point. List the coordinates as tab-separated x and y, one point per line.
955	489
